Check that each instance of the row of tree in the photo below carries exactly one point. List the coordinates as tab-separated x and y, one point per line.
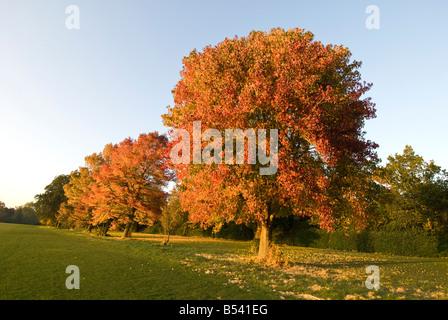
124	185
327	171
410	194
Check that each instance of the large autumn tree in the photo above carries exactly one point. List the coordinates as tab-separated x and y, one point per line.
312	94
130	180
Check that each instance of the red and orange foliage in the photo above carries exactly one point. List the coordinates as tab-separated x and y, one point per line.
131	180
123	184
77	211
312	93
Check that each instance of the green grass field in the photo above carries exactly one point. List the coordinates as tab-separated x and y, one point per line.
33	261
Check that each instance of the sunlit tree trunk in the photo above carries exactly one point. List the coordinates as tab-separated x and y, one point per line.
167	238
128	229
266	234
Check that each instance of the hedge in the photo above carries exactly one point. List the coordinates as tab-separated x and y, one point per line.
398	242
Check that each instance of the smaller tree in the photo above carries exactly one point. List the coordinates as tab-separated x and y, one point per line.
47	204
131	178
416	194
77	211
172	217
104	212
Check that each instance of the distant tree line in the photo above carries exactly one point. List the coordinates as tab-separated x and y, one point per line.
24	214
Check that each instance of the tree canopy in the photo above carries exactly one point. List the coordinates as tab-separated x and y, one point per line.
122	185
47	204
416	194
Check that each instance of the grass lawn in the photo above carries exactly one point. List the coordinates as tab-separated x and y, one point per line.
33	260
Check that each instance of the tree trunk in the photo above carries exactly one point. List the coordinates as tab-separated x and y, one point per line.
127	230
167	239
265	234
104	227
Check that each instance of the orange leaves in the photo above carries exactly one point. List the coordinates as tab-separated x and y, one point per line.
135	174
77	211
124	183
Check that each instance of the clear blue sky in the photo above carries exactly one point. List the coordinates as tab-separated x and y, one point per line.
64	94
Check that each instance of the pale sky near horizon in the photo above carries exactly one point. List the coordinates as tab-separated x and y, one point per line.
64	94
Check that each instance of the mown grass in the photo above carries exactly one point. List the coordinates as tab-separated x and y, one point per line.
33	261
